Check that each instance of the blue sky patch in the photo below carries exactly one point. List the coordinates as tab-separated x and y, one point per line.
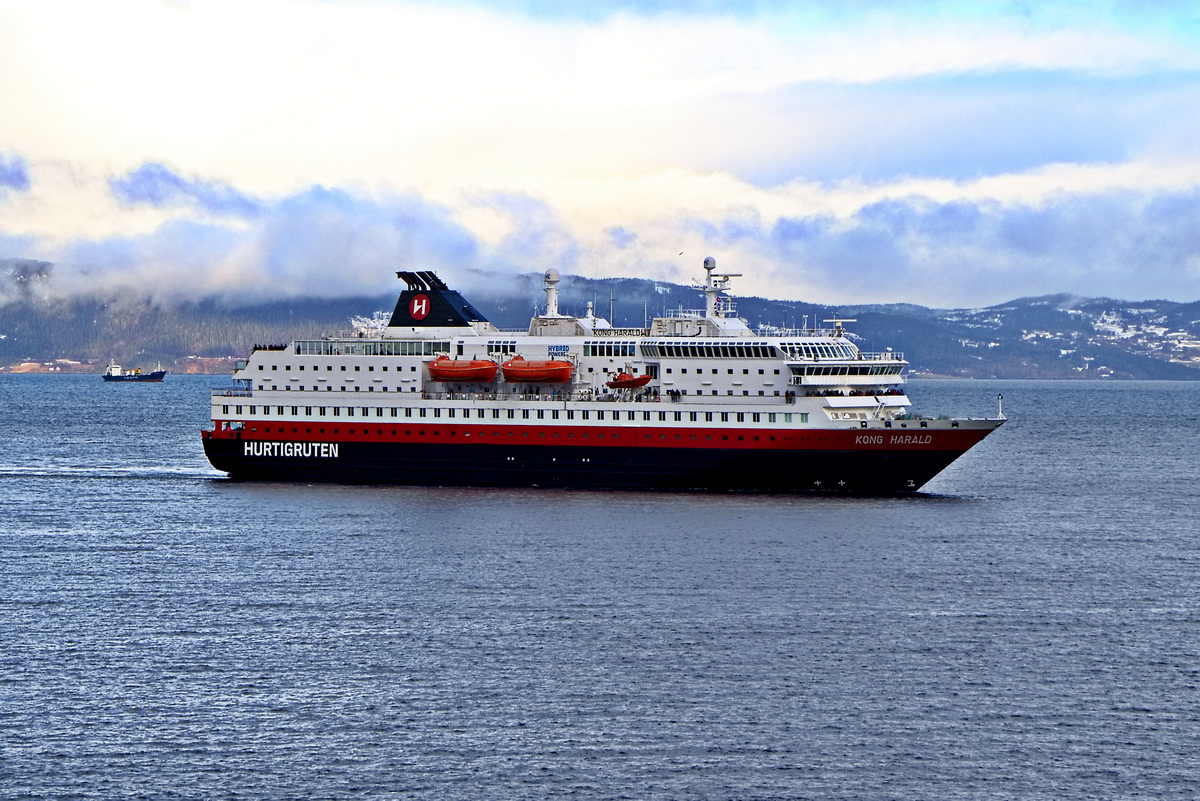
155	184
14	172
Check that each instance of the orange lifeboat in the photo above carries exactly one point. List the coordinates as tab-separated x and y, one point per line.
628	381
552	371
443	368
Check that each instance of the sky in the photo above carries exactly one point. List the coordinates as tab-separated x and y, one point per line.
950	154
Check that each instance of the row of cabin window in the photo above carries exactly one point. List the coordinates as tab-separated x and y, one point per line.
730	351
569	434
372	348
672	351
609	349
715	371
539	414
745	392
797	351
288	387
683	371
412	369
329	368
852	369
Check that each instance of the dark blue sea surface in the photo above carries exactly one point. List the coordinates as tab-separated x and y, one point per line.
1027	628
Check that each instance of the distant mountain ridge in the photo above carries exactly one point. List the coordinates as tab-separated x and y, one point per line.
1054	336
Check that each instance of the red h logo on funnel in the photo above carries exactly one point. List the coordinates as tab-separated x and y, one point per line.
418	307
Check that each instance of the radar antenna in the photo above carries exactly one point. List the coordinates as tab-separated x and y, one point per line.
714	284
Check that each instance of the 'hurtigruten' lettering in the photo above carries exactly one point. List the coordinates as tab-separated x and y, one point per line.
317	450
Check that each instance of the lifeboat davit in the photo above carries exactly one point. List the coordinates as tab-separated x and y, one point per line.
628	381
443	368
551	371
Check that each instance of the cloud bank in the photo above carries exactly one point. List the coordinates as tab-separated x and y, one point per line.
157	185
904	247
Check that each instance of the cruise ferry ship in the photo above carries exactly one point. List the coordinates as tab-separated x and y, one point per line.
697	401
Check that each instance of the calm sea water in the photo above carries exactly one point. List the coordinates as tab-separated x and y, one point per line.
1030	628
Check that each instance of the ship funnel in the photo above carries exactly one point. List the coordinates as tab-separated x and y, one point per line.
428	302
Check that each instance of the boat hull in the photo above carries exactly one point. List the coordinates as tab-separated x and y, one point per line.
627	381
823	462
466	371
522	371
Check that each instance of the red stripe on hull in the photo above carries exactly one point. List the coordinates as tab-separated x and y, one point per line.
874	440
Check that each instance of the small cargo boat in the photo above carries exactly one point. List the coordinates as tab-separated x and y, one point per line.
114	372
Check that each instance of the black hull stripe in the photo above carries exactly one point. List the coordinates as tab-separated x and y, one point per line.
593	467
